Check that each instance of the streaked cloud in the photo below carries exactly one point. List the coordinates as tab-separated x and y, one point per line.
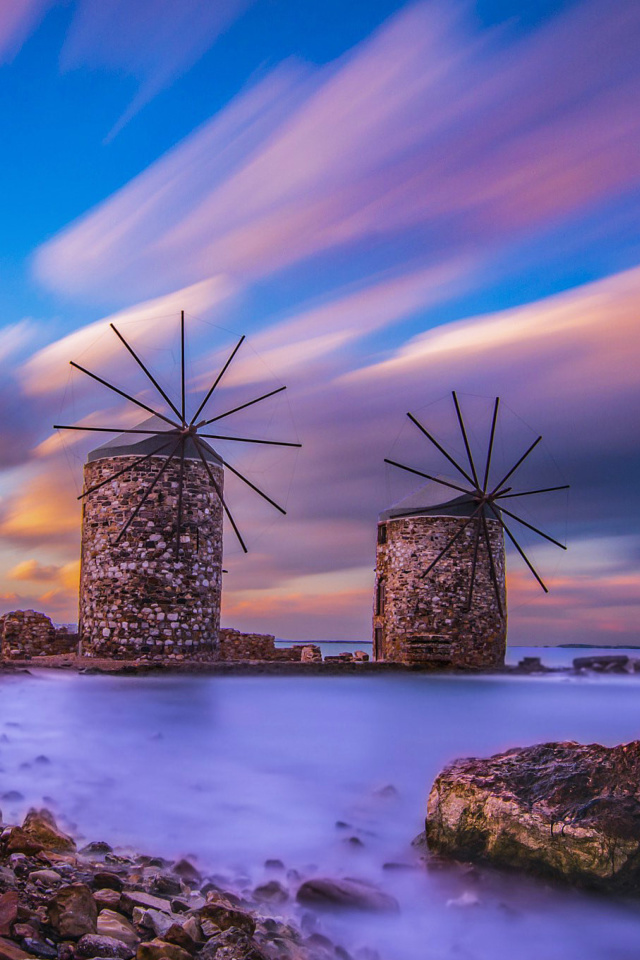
17	19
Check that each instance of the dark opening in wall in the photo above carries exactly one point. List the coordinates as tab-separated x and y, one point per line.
380	597
382	533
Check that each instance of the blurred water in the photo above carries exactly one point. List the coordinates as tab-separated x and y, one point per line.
236	770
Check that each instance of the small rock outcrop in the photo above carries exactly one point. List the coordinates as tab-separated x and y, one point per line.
347	894
567	810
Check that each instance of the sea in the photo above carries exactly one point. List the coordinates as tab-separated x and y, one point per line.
329	775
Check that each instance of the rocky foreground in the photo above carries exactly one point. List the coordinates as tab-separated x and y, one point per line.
566	810
57	903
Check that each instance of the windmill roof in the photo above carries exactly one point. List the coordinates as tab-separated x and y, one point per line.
424	502
139	445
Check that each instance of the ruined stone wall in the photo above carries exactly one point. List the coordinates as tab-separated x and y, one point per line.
27	633
424	620
235	645
136	598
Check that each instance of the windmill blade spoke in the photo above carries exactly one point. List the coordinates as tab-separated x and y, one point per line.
441	449
148	491
273	443
514	468
180	493
451	542
491	439
492	568
119	473
473	565
519	548
217	380
535	529
253	487
528	493
272	393
64	426
184	389
139	403
143	367
220	497
419	473
465	438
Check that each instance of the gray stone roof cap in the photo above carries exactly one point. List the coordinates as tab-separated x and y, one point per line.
420	504
139	445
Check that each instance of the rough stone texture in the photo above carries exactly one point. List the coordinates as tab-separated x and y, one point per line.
424	619
235	645
38	832
72	911
136	598
562	809
28	633
349	894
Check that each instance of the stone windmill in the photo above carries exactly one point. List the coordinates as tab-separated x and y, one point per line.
153	507
440	594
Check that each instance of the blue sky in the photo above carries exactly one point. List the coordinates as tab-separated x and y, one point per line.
392	200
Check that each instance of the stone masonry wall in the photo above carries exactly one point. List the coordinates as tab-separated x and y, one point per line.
235	645
424	620
27	633
136	598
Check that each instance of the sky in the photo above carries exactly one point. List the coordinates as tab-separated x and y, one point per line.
391	201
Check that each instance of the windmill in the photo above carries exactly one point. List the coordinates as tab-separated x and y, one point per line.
153	506
440	568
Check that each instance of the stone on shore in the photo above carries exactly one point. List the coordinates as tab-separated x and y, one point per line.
112	924
566	810
72	911
94	945
40	831
349	894
222	912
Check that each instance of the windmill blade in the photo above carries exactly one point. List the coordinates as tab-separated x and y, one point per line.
492	568
466	440
148	492
528	493
117	390
273	443
427	476
143	367
535	529
473	566
180	493
272	393
253	487
183	400
217	381
524	456
64	426
451	542
490	451
119	473
220	497
518	548
441	449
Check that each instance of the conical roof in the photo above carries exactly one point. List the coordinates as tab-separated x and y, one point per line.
425	502
139	445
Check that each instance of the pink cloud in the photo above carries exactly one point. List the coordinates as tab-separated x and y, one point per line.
17	20
422	125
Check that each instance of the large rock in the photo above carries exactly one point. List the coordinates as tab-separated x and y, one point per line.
72	911
39	832
563	809
93	945
113	924
225	915
349	894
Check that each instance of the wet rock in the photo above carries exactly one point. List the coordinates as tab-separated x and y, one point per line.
157	949
608	663
66	950
234	944
181	938
107	880
225	915
165	886
94	945
39	948
22	930
112	924
193	929
271	892
186	870
107	899
72	911
41	829
136	898
154	920
563	809
97	848
8	912
348	894
10	951
46	878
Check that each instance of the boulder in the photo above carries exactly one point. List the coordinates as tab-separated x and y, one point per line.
107	899
157	949
8	912
349	894
566	810
39	832
72	911
225	915
606	663
270	892
94	945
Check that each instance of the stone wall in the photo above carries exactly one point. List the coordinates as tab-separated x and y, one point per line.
136	598
235	645
425	619
27	633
